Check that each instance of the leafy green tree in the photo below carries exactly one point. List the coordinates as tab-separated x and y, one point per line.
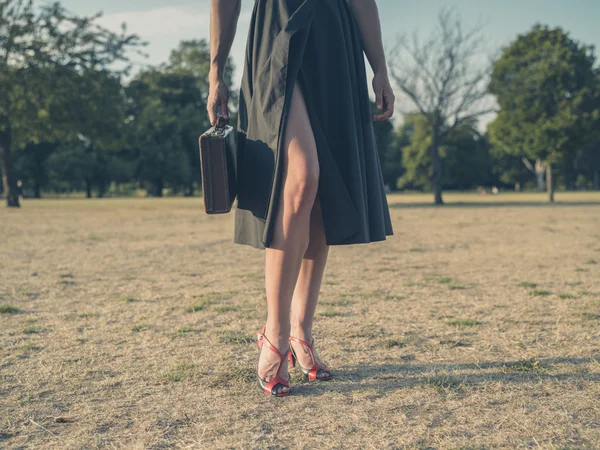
588	162
466	156
43	49
464	152
70	167
160	105
509	170
415	132
547	86
168	114
32	165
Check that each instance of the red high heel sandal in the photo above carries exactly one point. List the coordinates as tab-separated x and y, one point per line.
311	373
271	386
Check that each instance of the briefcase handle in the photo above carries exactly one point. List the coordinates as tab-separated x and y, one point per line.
220	119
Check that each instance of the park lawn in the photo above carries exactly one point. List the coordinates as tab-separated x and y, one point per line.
131	323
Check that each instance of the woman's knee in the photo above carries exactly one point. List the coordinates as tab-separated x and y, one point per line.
302	191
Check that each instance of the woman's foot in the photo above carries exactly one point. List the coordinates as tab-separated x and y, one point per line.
303	355
269	362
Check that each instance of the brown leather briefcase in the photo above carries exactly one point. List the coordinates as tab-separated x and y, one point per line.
218	163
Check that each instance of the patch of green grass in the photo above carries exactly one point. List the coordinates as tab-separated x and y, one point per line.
566	296
414	283
444	383
591	261
141	327
87	315
528	284
340	302
204	300
540	293
579	269
396	343
225	308
67	283
31	347
182	332
195	308
524	366
332	313
32	329
186	330
376	293
456	287
127	299
332	282
5	308
247	315
416	250
591	316
234	337
66	275
464	322
445	280
180	372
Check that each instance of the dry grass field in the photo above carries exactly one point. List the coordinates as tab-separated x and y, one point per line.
131	323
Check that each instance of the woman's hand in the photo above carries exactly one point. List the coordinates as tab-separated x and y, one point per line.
218	97
384	96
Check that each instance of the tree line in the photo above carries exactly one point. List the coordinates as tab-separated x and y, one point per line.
70	122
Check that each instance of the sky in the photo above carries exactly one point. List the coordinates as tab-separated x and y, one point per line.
164	23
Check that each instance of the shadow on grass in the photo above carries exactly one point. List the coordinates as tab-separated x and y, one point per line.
401	205
389	377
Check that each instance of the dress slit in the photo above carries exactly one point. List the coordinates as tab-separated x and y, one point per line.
290	81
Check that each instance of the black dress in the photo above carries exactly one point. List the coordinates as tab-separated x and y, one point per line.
317	44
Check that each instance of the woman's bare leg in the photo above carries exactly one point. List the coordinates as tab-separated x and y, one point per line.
308	286
291	231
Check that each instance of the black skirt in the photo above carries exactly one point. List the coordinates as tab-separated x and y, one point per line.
317	44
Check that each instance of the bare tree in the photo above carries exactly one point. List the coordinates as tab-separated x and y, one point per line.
446	79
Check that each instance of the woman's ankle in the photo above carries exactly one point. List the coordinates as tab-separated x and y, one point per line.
277	335
301	330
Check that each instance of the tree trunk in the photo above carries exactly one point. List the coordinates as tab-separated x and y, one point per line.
88	188
158	187
436	168
597	179
541	172
550	182
9	181
37	190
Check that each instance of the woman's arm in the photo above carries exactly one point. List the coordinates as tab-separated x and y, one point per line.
367	18
223	22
